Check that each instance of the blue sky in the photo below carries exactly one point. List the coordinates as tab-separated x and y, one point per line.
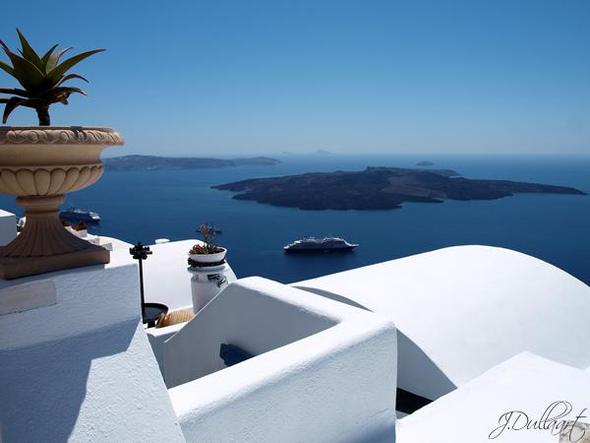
244	77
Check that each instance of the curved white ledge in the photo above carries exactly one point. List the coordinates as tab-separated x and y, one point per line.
467	309
322	370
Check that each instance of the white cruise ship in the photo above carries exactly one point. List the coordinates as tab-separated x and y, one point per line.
311	244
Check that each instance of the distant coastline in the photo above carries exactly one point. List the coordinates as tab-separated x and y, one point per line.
378	188
153	163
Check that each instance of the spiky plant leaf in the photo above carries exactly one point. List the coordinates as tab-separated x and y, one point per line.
69	90
11	105
46	56
7	68
14	91
56	73
54	59
28	52
69	77
28	74
42	78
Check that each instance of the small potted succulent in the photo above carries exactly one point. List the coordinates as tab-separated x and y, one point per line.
207	252
40	164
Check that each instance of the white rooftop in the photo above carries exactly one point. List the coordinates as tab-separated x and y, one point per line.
469	308
475	411
76	364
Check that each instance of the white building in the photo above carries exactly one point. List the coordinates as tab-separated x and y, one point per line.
477	331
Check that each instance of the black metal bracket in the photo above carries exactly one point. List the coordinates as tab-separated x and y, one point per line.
140	253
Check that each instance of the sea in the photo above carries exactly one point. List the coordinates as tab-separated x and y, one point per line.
146	205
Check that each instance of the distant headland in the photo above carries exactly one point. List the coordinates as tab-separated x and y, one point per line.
152	162
379	188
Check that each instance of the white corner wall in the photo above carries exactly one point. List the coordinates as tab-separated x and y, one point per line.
250	313
75	362
7	227
328	373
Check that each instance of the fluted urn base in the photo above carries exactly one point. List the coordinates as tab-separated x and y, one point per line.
40	164
45	245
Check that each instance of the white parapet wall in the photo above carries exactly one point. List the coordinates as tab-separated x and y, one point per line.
323	371
7	227
75	362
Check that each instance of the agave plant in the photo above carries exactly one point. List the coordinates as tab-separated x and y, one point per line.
42	78
208	232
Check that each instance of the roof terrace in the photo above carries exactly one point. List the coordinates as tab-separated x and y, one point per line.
323	359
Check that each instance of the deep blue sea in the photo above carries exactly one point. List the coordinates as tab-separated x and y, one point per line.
143	206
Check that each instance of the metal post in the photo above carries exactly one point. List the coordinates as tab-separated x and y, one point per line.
141	290
140	252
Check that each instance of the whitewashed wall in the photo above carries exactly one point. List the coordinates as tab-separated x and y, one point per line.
328	376
250	313
75	363
7	227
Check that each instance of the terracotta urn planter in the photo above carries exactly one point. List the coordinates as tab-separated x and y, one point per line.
40	165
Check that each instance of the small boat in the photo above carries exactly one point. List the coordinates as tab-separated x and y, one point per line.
311	244
78	215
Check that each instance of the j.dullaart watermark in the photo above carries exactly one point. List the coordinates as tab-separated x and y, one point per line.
557	419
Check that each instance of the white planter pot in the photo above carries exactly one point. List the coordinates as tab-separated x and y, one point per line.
207	282
209	258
